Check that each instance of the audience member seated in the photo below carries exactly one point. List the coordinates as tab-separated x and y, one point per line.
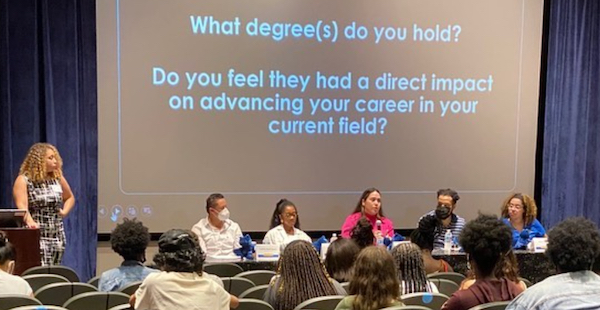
507	268
485	240
423	237
573	245
409	266
362	233
445	212
519	212
300	277
369	206
219	236
340	258
129	239
10	284
179	285
285	225
374	284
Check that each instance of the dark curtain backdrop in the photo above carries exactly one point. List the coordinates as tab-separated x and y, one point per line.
48	94
571	149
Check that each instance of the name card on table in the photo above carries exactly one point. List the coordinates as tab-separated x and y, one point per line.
538	245
267	252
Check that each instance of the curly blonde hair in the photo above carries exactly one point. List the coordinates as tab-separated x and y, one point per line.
529	207
34	164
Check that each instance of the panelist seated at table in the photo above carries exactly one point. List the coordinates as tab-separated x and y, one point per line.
285	225
445	212
370	207
519	212
218	235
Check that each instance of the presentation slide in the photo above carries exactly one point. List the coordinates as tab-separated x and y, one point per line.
313	101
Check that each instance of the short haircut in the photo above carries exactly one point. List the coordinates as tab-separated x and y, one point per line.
573	244
424	235
211	201
340	259
179	251
7	251
486	239
130	239
449	192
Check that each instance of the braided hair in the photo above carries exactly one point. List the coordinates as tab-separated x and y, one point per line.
411	269
302	276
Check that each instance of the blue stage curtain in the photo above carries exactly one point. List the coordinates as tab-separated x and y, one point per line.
48	94
571	150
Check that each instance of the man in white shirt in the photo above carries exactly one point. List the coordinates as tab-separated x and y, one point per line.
218	235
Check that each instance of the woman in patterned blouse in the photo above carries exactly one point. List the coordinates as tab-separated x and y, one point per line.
43	191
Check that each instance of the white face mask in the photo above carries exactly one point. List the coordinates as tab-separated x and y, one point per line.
223	215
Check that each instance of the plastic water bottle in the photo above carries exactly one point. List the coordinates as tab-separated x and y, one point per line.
448	241
380	240
333	238
379	237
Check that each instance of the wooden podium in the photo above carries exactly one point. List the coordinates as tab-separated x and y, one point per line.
27	245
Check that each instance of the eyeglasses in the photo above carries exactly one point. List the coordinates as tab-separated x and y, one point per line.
290	215
510	205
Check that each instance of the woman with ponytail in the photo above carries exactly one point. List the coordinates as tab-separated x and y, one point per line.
285	225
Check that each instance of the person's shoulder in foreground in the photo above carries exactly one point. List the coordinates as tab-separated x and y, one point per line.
573	246
575	290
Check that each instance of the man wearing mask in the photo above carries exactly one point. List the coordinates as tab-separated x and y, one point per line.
218	235
444	212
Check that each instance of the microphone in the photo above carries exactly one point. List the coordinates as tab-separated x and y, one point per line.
378	223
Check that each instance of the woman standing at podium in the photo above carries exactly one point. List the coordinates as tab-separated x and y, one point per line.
42	190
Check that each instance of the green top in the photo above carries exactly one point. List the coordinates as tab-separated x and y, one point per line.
346	303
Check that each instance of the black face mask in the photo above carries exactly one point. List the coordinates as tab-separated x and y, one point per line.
443	212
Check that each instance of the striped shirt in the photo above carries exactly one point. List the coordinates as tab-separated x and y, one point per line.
456	226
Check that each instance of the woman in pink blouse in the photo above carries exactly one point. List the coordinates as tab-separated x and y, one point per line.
369	206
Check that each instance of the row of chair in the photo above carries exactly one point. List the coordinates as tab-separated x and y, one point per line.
416	301
83	301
